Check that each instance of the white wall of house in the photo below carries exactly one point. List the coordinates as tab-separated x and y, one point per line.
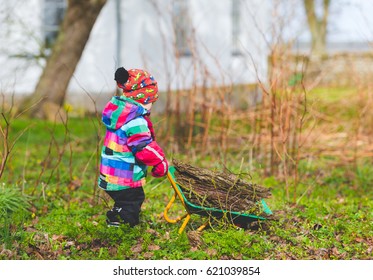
151	43
147	41
20	35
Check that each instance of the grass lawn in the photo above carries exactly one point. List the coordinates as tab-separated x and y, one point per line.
52	208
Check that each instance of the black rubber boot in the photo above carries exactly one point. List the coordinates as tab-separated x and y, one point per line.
113	218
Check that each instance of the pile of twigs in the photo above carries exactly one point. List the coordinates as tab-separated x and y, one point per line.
225	191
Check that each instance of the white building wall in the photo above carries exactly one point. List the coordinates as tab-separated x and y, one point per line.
253	41
212	24
150	44
20	34
147	42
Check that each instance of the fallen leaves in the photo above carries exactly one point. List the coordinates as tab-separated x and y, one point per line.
194	238
147	250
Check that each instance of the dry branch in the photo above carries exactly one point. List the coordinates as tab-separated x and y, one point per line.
224	191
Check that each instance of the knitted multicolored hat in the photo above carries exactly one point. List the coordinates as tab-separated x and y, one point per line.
137	84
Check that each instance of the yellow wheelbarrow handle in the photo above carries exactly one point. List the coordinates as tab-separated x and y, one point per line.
173	198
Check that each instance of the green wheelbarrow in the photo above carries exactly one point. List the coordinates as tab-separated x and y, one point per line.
239	219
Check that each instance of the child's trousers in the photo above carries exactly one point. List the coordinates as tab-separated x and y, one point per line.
129	202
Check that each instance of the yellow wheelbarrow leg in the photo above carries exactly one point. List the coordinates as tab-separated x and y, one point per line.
173	221
202	227
187	218
169	205
165	213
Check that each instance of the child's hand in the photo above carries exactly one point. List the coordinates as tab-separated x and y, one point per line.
160	169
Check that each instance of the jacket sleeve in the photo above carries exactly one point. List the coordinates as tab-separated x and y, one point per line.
138	134
151	154
144	148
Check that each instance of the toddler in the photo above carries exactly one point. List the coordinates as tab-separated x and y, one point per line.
129	146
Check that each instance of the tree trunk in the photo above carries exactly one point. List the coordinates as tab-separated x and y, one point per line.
49	95
317	26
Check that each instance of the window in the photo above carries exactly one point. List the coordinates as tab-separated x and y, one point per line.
53	13
183	27
236	26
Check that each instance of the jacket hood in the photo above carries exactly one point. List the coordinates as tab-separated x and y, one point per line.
120	110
